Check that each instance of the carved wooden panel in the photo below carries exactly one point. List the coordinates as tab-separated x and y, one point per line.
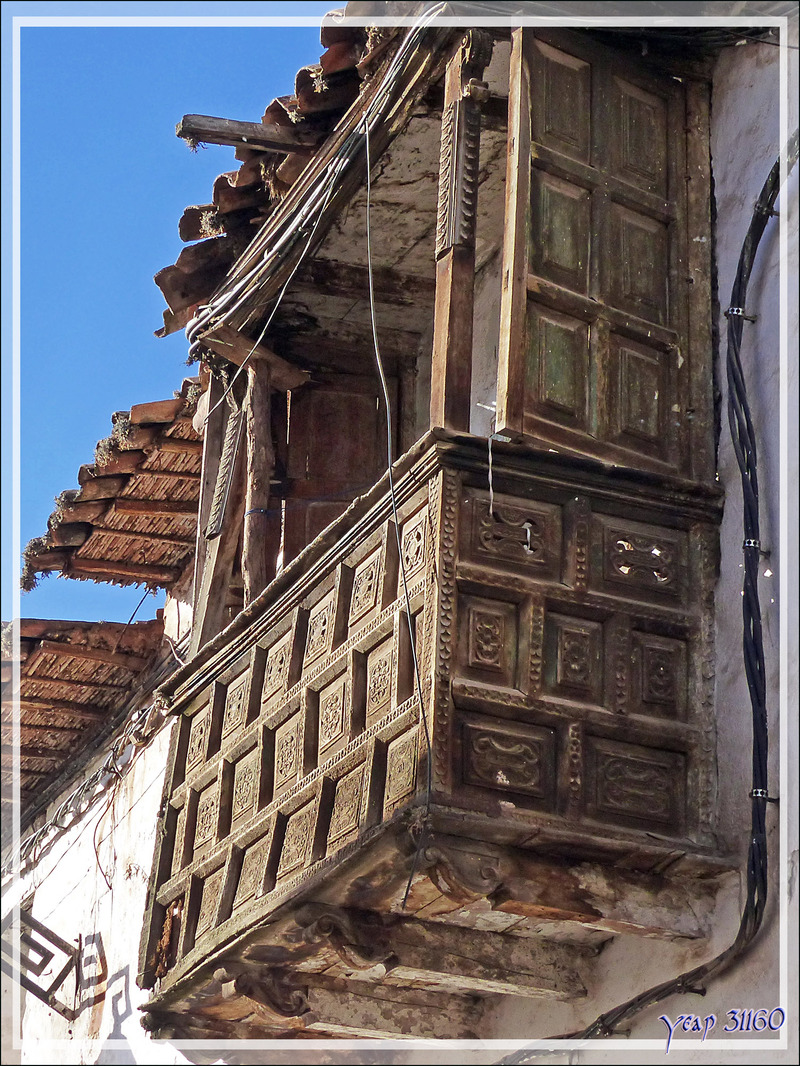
334	715
639	560
564	638
604	332
513	534
401	771
489	640
297	840
380	680
246	776
254	871
235	709
306	729
573	655
635	784
211	893
347	803
511	758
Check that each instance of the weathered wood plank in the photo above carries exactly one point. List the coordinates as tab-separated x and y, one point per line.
218	566
142	572
210	130
102	488
451	367
157	411
124	660
510	383
27	751
77	710
127	505
260	469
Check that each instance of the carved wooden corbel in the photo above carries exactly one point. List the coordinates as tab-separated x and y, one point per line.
273	989
353	943
462	876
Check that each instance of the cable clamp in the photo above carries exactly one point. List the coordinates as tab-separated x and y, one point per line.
751	542
738	312
762	793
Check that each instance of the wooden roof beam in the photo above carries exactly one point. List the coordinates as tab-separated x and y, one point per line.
127	505
123	660
267	137
138	572
68	682
77	710
236	347
28	752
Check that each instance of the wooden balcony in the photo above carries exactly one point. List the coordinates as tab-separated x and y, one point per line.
341	858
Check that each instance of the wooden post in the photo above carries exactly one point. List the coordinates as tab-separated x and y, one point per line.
451	370
260	468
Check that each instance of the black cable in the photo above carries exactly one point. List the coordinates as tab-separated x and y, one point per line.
744	445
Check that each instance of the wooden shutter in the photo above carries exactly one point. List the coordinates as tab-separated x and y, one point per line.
336	451
605	329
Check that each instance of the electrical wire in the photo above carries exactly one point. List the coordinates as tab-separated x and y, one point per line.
396	520
744	445
269	248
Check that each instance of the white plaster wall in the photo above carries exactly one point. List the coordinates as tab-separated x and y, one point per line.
72	898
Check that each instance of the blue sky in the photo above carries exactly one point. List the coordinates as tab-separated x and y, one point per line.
104	181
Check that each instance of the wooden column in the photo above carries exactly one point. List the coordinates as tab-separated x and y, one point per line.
260	468
451	370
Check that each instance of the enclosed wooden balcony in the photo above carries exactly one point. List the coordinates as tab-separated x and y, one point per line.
340	825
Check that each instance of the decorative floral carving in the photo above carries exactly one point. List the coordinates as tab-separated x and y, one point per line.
297	842
277	668
254	866
197	740
234	709
401	768
658	675
512	532
379	681
206	817
574	658
331	716
319	630
244	789
365	588
487	635
414	546
212	889
286	752
346	805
